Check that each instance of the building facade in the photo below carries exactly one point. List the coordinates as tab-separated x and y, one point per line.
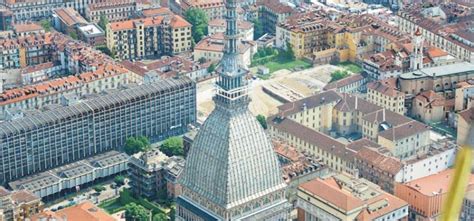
113	11
342	197
149	37
68	178
151	174
68	134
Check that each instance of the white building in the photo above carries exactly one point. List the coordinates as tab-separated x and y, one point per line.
245	28
73	176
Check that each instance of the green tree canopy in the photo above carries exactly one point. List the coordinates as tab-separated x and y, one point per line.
119	180
160	217
337	75
257	29
289	53
198	18
262	120
46	25
99	188
136	144
173	146
202	60
73	35
103	22
135	212
211	68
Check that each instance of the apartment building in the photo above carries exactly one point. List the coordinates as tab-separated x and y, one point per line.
214	9
245	28
6	19
168	67
72	56
212	48
24	10
271	13
467	212
37	96
67	134
384	170
438	27
342	197
150	172
356	83
39	73
113	11
19	204
56	182
149	37
384	93
427	195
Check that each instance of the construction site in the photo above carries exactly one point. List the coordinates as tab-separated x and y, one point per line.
284	86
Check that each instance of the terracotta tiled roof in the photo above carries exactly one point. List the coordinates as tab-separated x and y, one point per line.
384	163
81	212
317	100
431	99
436	183
387	87
311	136
328	190
344	82
405	130
70	16
23	196
468	115
27	27
176	21
276	6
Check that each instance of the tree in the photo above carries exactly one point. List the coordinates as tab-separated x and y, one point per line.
198	18
46	25
202	60
338	75
262	120
160	217
136	144
211	68
289	53
73	35
135	212
103	22
257	29
99	188
173	146
119	180
104	49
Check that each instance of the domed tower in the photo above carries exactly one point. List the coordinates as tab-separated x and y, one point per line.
416	56
232	171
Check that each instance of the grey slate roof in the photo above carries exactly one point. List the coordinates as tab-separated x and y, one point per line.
232	161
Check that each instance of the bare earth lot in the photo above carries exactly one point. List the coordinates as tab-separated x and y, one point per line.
306	83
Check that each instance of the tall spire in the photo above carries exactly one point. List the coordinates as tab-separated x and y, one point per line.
232	86
232	171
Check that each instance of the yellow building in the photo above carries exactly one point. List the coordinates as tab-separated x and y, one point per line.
314	123
384	93
149	37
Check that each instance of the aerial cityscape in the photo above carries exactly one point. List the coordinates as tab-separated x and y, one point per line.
245	110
